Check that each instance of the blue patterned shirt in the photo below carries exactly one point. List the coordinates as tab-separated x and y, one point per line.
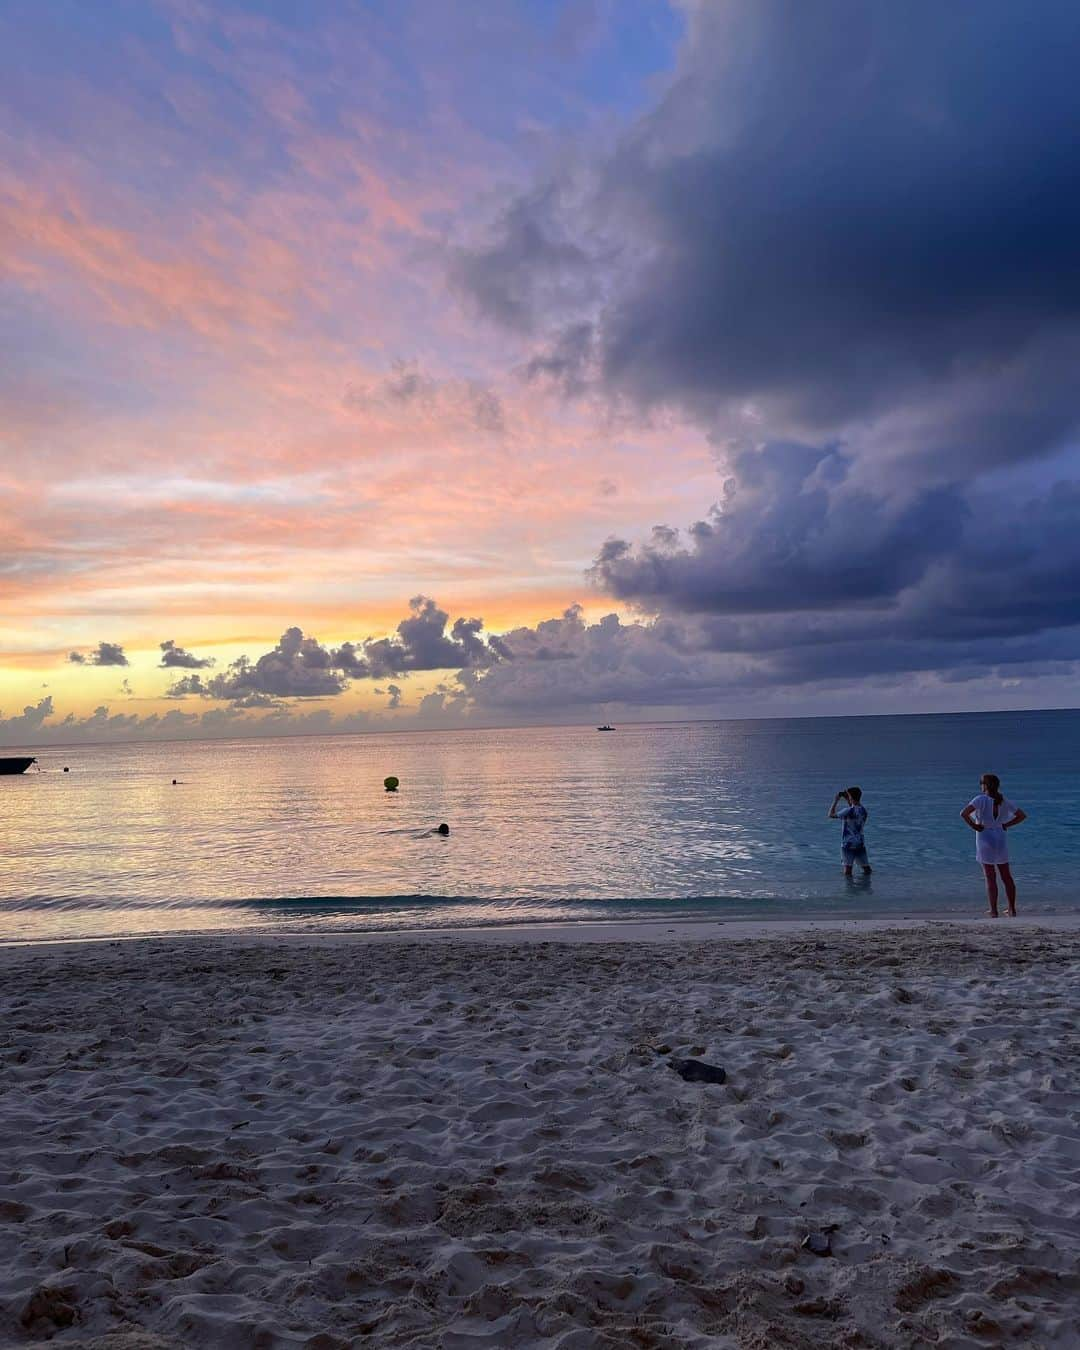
854	818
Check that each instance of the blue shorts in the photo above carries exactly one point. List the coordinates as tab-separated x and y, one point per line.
853	855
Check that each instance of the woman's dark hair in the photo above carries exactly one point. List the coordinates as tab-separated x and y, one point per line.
855	793
993	788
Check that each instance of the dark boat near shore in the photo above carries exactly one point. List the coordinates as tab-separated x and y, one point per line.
16	763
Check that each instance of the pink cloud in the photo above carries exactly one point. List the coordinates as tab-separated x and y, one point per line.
218	429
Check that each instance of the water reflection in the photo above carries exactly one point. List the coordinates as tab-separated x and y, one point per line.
542	821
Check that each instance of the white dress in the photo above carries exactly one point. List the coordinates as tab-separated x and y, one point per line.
991	844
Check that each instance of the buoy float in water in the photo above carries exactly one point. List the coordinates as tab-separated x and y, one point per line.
390	784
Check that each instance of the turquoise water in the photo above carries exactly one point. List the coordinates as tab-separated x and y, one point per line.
710	819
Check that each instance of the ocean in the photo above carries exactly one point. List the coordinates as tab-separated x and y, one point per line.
690	819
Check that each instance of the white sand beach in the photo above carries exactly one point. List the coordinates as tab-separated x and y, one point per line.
479	1139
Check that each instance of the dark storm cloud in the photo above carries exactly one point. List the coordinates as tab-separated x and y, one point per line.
422	643
298	667
187	686
835	209
791	535
890	193
106	654
174	656
301	667
348	658
846	242
567	663
802	581
551	639
827	578
682	663
1012	573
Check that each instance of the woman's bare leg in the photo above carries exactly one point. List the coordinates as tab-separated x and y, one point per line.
991	887
1010	886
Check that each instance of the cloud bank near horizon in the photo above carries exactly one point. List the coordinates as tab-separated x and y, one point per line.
688	664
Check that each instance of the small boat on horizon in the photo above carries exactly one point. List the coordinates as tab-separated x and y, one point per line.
605	727
16	763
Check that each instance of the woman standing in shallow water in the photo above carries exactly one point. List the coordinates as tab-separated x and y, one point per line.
990	815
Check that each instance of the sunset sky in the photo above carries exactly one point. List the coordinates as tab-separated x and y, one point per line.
637	359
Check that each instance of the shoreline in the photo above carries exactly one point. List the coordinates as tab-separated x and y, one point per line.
574	931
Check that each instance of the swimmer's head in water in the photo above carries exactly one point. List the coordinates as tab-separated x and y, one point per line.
390	784
443	829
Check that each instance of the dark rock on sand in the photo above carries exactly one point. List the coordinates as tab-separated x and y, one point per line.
818	1243
697	1071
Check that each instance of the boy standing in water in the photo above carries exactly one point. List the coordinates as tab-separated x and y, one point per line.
852	845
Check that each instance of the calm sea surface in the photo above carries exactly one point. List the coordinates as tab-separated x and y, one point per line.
707	819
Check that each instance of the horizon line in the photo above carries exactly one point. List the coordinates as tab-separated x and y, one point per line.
535	726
